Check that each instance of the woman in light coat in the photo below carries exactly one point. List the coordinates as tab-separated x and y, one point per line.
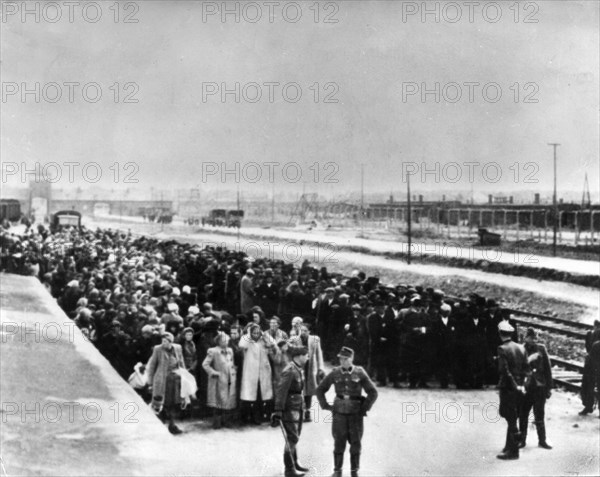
257	386
166	359
222	373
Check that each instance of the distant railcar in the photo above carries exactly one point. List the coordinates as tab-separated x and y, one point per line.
10	209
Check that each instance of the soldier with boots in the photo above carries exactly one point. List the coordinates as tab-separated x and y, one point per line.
513	368
537	391
349	408
289	404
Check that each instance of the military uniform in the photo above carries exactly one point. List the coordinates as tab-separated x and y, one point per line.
538	390
289	399
289	402
513	368
349	408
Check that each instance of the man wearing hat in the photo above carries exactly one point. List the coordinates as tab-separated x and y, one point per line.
289	403
349	408
381	338
324	321
513	368
247	292
539	389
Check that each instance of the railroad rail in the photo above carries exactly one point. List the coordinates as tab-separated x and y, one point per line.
566	374
554	319
553	324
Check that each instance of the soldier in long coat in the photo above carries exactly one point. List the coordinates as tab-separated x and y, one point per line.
513	369
591	371
314	368
539	389
289	403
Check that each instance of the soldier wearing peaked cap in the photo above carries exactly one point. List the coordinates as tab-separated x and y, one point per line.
539	389
513	368
349	408
289	403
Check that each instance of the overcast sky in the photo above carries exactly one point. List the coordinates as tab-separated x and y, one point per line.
370	55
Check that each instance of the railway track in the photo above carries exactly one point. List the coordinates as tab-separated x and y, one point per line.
566	374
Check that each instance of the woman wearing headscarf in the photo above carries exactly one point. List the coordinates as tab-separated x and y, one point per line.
166	359
221	395
257	387
188	347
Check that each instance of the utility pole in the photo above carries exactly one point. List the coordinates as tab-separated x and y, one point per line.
408	216
362	199
160	217
554	202
273	205
238	208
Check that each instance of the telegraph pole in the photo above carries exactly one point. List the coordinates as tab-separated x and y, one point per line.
273	205
408	215
362	199
554	202
162	223
238	208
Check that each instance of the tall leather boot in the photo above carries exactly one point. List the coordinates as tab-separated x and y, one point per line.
290	469
505	448
541	431
512	451
338	463
297	464
354	464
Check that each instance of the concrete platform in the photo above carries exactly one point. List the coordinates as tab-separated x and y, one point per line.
65	411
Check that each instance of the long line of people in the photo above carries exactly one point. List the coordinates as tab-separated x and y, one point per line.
232	318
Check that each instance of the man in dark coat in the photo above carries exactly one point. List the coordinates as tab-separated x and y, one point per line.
591	371
342	315
539	388
414	332
267	294
325	318
473	338
444	332
289	403
513	369
349	408
381	338
357	336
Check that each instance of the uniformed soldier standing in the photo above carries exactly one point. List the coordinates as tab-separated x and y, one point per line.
289	403
513	368
538	390
349	408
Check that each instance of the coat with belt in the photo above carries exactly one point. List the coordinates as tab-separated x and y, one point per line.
157	369
222	375
513	366
315	363
541	369
257	369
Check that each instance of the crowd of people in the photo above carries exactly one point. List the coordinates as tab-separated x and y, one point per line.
228	319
